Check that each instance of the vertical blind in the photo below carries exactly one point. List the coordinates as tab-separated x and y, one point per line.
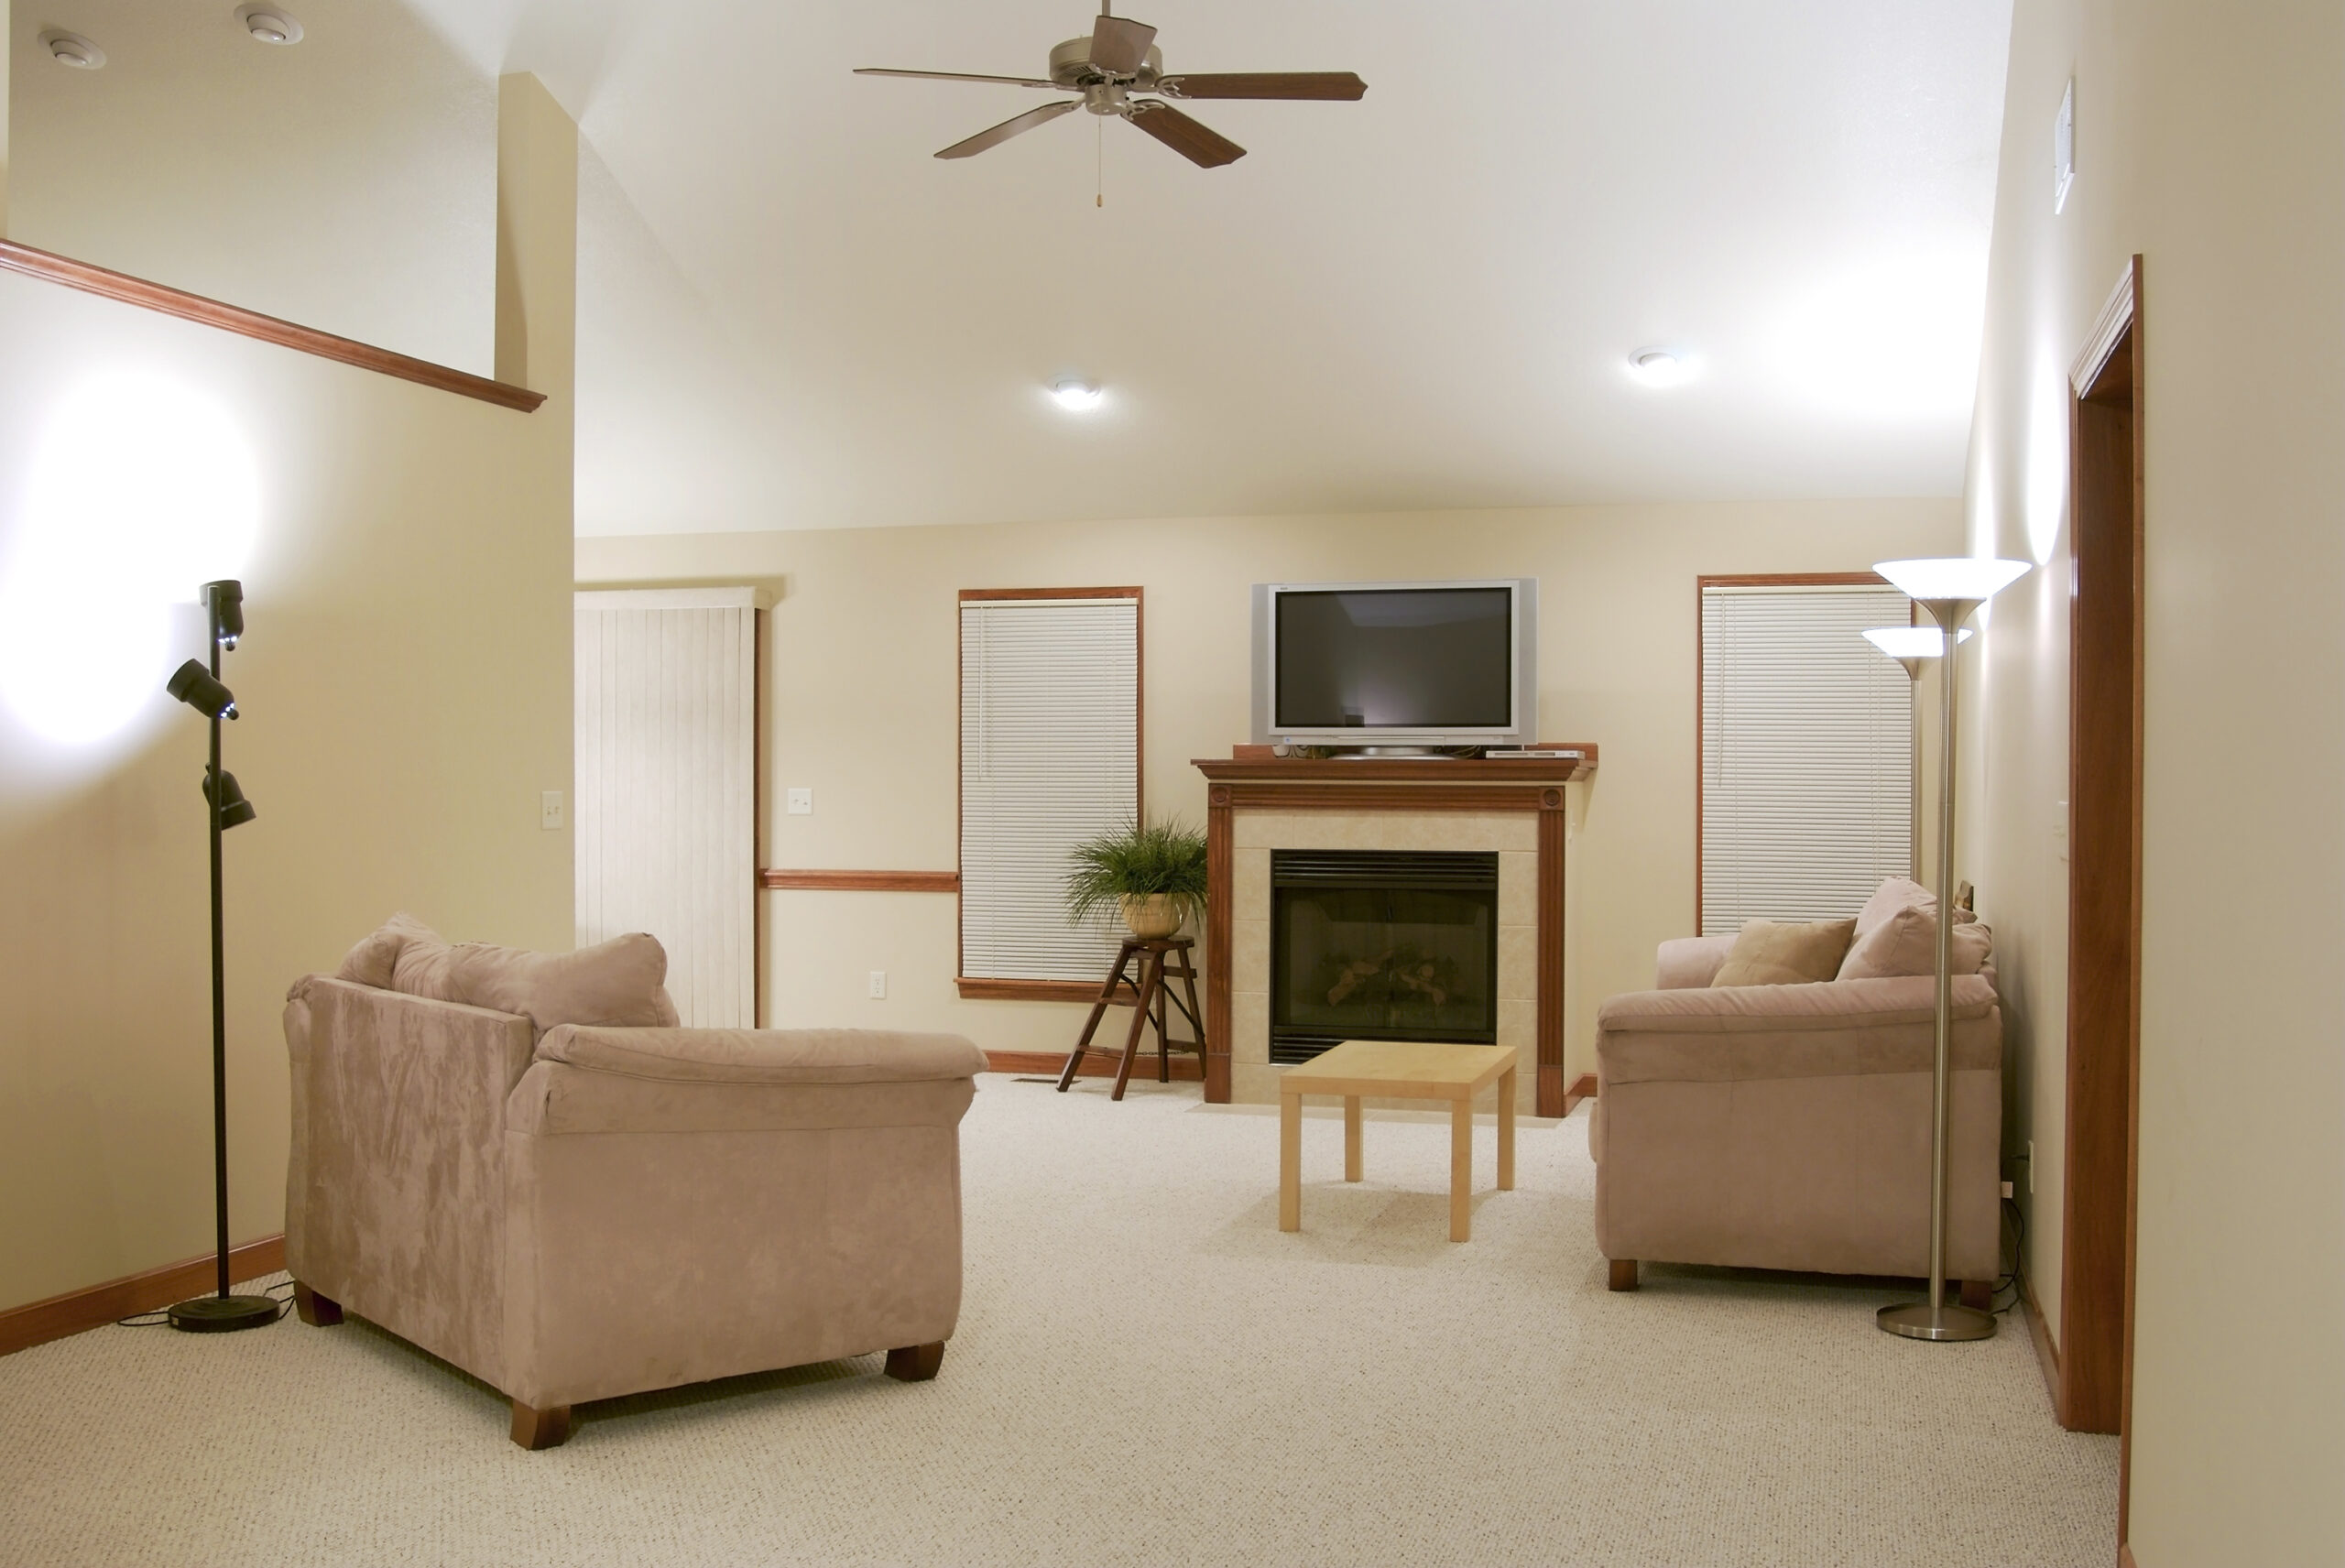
1050	757
1806	753
666	787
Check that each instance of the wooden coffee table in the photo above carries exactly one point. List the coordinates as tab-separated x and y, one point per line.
1404	1070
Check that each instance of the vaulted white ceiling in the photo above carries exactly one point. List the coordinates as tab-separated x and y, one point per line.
792	316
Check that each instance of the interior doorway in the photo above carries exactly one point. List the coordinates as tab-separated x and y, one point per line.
2104	878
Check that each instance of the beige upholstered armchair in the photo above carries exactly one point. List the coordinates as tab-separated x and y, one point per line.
1788	1126
573	1212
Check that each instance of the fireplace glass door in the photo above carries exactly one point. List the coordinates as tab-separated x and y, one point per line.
1372	944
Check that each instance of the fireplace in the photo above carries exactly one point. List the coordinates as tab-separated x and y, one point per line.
1376	944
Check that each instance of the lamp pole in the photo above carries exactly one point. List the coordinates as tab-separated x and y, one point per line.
200	687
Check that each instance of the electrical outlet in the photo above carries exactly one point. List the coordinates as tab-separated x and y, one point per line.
802	802
2007	1189
549	814
2030	1167
880	985
2060	829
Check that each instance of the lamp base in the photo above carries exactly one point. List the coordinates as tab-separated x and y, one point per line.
1912	1319
223	1314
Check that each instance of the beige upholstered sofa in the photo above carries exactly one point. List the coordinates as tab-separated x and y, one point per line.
572	1212
1788	1126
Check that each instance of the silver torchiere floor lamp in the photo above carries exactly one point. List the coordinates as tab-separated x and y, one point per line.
1912	647
1950	589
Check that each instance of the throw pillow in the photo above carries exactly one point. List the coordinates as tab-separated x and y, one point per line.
1907	943
372	962
1897	893
1775	952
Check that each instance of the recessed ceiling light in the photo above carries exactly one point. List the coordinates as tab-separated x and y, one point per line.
270	25
73	50
1659	366
1076	397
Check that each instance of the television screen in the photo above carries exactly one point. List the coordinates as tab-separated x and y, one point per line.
1394	657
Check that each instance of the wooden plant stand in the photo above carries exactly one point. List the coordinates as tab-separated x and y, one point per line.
1158	957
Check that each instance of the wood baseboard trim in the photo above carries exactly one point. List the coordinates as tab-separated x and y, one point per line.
1186	1068
1583	1088
864	881
2047	1354
2125	1556
95	1306
169	301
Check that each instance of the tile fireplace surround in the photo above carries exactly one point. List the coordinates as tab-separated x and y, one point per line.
1512	806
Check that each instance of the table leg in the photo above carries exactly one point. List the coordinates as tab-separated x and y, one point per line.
1461	1169
1351	1137
1506	1131
1290	1162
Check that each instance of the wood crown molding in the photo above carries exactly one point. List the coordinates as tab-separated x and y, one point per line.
169	301
863	881
95	1306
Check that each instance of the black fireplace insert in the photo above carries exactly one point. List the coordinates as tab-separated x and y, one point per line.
1378	945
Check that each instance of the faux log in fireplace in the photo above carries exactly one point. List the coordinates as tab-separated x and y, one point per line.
1380	944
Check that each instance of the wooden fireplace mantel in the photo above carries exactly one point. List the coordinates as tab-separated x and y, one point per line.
1399	785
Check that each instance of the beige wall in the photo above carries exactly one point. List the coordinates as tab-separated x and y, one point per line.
2211	140
406	686
862	700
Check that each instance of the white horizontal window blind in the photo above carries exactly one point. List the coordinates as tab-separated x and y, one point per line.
1050	757
1806	753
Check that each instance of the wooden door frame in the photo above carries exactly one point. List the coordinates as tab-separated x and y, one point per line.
2105	774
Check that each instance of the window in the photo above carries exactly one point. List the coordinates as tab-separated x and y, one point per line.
1805	749
1050	757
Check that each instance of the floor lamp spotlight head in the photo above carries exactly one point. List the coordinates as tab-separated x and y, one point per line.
1949	588
201	690
235	810
226	600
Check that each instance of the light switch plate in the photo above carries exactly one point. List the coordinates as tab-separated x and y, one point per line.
802	802
550	810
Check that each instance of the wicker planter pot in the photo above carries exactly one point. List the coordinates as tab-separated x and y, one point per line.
1151	916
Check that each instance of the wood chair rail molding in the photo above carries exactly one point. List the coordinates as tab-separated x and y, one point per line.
863	881
169	301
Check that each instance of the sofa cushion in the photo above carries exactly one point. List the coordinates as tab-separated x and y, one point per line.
1906	943
1776	952
765	1056
1897	893
618	981
377	952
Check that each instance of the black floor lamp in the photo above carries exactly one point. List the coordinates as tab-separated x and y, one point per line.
199	688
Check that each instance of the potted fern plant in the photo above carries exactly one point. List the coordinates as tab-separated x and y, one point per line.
1153	873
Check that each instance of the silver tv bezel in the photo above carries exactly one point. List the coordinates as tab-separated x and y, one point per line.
1524	631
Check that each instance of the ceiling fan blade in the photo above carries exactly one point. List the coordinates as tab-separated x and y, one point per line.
1205	147
959	76
1333	85
1120	46
1016	126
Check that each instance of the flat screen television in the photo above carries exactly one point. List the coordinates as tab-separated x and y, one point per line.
1397	664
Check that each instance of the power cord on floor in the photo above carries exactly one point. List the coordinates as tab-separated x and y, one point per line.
2010	1279
158	1319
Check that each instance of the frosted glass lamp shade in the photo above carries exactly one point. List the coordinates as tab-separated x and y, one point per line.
1971	577
1912	642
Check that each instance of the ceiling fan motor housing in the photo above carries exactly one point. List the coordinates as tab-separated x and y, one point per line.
1071	67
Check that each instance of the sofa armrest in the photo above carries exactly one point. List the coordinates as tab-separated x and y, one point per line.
1688	962
763	1056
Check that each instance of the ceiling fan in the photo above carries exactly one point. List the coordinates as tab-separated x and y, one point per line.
1120	59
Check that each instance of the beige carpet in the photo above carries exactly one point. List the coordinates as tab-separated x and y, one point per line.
1146	1371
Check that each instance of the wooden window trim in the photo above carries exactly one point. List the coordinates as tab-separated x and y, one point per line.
978	989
